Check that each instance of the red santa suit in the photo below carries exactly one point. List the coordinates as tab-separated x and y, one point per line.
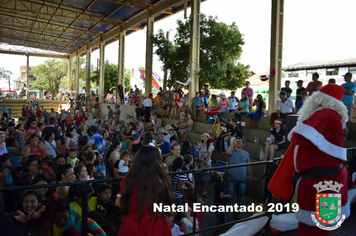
317	142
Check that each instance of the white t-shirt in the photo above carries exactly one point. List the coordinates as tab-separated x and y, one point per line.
147	102
286	107
123	168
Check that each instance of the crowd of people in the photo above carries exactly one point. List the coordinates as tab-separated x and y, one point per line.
71	145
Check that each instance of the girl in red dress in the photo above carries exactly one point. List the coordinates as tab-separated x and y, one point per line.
146	183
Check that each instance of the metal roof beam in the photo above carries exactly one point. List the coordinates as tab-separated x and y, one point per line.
35	54
44	21
69	9
159	8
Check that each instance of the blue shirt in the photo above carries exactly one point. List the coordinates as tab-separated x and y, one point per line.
165	147
238	173
233	102
197	102
98	140
349	99
4	109
299	104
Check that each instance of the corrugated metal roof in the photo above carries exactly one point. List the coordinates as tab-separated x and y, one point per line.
321	64
66	25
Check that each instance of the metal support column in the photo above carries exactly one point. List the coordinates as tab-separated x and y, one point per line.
69	76
27	75
102	72
121	69
276	53
194	49
77	68
149	54
87	74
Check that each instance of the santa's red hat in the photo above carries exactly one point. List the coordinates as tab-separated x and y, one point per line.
333	90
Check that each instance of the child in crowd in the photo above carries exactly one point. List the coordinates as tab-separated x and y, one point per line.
121	167
100	168
220	198
174	227
75	198
28	217
105	204
81	173
46	168
91	170
72	157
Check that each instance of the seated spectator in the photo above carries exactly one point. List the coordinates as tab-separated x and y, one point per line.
243	107
214	103
64	219
64	174
301	102
278	139
233	100
235	131
181	124
224	105
258	113
198	105
163	145
167	103
75	198
285	107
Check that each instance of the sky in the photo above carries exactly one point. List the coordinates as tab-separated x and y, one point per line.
317	30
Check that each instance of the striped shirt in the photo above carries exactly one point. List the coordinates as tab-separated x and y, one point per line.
175	179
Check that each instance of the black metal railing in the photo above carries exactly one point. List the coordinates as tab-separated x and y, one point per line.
270	169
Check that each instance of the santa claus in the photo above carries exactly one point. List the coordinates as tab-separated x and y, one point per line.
315	154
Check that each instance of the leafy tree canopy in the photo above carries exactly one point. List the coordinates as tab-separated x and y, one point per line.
49	75
5	74
110	77
220	48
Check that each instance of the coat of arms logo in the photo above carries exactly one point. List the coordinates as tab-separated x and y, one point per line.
327	214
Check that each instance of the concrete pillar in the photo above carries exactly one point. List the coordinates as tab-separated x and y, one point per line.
194	49
27	75
121	64
276	53
102	71
77	68
87	74
69	75
149	54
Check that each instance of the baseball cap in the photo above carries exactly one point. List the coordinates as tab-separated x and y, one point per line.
282	93
348	74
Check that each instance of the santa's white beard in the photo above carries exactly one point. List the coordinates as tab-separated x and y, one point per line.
321	100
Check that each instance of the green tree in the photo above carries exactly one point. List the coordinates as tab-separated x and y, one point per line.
5	75
110	77
49	75
220	49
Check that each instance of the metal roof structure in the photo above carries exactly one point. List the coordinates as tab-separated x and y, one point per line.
321	64
73	26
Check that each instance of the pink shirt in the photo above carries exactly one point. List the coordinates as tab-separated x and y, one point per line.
223	103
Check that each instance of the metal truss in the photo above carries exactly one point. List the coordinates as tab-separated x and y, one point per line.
67	27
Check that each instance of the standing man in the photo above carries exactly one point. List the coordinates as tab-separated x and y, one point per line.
4	109
239	175
300	89
148	106
315	85
110	113
349	95
178	90
287	89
